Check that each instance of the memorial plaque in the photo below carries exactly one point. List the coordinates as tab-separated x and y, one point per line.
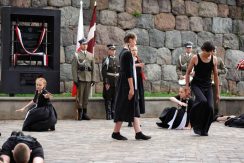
30	48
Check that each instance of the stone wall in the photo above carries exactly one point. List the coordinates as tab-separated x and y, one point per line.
162	26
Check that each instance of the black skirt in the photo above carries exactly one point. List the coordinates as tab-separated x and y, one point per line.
40	118
173	118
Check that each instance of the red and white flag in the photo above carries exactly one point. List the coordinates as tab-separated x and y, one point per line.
80	35
90	38
91	34
80	30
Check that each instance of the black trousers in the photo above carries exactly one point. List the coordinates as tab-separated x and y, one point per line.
201	115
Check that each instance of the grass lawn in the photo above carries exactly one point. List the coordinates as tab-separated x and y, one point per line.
147	94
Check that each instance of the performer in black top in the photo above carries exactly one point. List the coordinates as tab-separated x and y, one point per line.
110	73
22	148
201	115
41	115
126	99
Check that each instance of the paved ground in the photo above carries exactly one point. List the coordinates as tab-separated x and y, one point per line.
90	141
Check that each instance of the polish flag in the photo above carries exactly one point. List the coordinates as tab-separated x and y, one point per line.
80	35
90	38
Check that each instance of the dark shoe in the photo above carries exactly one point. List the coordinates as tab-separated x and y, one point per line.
159	124
17	133
117	136
141	136
52	128
130	124
85	117
20	133
204	134
197	131
14	133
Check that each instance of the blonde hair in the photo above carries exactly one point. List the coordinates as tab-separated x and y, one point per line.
43	80
187	91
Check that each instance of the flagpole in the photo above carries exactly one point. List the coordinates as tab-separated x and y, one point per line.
91	35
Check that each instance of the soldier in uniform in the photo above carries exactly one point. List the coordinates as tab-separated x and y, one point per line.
222	70
83	71
183	62
110	73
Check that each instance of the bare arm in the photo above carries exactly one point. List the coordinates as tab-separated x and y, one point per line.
216	78
26	106
139	64
178	102
6	158
131	91
38	160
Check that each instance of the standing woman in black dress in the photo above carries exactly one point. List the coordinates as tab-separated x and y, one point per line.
140	77
126	100
204	64
41	115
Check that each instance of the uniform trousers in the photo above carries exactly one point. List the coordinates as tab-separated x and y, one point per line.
83	93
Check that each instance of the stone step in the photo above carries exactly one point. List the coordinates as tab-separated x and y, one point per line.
65	107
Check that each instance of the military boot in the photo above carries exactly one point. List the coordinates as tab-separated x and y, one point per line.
108	109
84	115
79	114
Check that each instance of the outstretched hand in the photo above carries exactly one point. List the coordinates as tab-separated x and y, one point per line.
20	110
47	95
182	104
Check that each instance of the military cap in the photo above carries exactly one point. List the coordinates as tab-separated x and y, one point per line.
188	44
83	41
111	46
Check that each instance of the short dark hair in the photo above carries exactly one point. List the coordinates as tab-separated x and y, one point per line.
208	46
129	36
21	153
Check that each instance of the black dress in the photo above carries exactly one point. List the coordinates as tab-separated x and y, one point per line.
42	116
173	118
140	89
126	110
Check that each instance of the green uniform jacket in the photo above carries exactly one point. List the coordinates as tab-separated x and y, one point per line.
83	67
182	63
